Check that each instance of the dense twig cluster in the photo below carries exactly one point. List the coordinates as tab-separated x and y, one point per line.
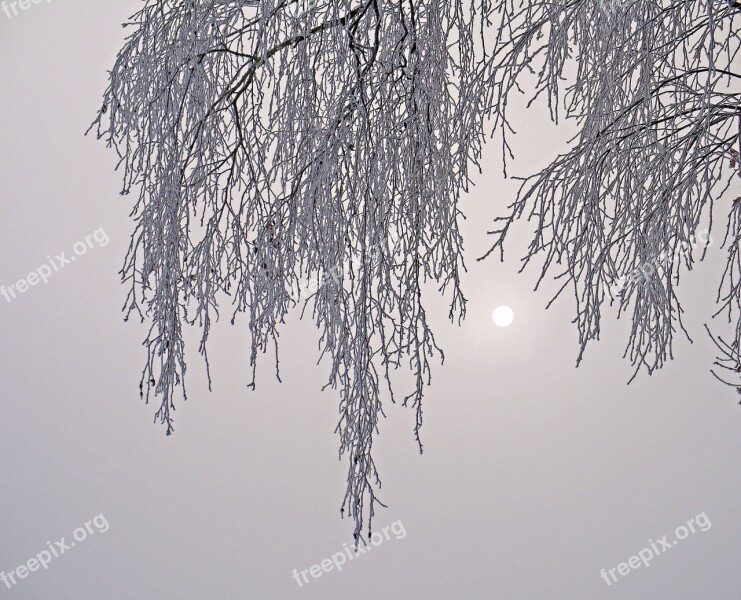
272	141
655	94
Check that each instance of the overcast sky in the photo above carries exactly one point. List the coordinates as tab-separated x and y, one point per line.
535	476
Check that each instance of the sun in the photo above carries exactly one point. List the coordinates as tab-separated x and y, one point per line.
503	316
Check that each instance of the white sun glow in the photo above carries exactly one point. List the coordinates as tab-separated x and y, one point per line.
503	316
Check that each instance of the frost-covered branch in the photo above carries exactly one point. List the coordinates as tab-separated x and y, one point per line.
271	142
654	90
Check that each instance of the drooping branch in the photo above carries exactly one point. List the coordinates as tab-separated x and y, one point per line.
652	89
276	145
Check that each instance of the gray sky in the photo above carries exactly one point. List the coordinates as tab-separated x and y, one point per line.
535	476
